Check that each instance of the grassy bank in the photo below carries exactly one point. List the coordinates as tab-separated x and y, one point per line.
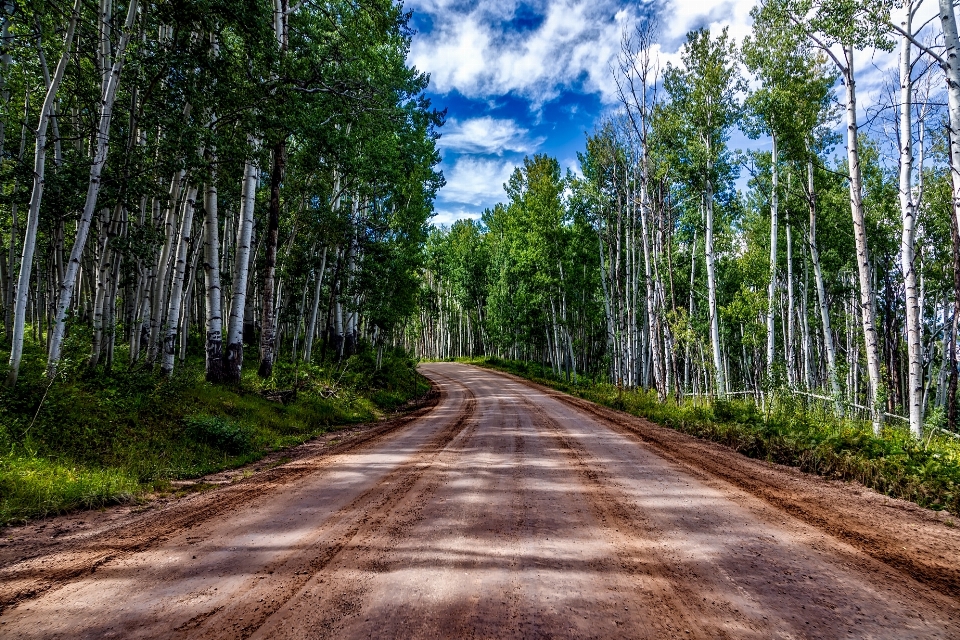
94	438
926	472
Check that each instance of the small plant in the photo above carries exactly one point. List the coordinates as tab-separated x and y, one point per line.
219	433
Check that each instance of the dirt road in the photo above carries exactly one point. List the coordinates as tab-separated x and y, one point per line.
506	511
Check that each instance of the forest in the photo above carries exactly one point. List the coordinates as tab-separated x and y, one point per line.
213	187
191	185
279	364
824	266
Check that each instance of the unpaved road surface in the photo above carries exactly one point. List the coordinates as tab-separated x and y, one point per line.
505	511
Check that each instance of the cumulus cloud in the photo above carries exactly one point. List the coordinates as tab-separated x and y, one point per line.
477	49
476	181
487	135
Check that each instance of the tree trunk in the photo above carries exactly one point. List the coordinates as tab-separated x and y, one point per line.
951	69
315	310
233	355
952	383
19	301
788	349
828	346
772	286
712	290
908	212
864	271
211	271
653	315
111	81
176	289
268	324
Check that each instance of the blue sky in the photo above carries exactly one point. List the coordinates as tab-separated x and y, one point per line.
519	78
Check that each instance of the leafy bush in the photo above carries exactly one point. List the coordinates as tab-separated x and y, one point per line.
219	433
97	436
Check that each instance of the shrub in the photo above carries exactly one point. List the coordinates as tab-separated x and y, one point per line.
220	433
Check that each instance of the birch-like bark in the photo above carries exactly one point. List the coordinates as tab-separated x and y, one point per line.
828	345
268	333
864	271
653	318
111	81
687	364
315	310
233	355
211	271
176	289
39	164
908	212
772	286
805	327
712	289
788	346
103	300
951	68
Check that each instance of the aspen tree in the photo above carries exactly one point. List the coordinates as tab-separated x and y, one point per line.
211	270
705	90
850	27
908	210
233	354
19	300
110	83
168	348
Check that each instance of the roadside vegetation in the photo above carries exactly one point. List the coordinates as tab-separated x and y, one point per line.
788	432
203	207
808	264
93	438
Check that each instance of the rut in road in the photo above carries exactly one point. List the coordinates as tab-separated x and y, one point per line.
509	510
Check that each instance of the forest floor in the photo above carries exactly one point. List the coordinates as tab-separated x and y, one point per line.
507	509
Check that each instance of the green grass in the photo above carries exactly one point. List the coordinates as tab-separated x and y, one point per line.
811	438
102	438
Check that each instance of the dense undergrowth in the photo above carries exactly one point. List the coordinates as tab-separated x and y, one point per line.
813	439
94	437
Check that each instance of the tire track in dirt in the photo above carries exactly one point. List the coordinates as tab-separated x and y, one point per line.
331	607
907	538
672	608
30	578
344	532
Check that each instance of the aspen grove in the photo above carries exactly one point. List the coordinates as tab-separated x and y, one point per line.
824	266
243	179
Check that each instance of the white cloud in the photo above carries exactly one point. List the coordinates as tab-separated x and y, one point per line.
447	215
487	135
472	52
476	181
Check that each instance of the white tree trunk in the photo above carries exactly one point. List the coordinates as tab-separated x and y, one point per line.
653	316
315	311
176	289
718	364
211	271
864	271
788	349
908	212
772	286
828	346
111	81
233	355
39	164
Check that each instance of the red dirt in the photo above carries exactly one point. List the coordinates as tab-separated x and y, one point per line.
507	510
